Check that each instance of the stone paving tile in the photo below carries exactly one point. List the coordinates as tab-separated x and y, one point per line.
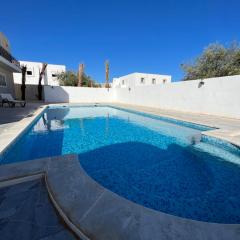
26	213
13	115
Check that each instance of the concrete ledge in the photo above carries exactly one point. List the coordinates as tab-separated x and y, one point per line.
94	212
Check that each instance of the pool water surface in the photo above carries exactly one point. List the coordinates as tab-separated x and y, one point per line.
158	163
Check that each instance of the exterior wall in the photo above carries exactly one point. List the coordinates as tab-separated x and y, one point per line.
31	92
51	71
8	65
35	67
134	79
9	79
77	94
218	96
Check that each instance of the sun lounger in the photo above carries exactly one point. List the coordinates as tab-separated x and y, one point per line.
8	99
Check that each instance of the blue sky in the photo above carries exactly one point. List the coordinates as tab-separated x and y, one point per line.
152	36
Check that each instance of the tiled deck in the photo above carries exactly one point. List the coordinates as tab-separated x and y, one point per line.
12	115
27	213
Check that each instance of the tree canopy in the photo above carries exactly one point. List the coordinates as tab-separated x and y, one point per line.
215	61
70	78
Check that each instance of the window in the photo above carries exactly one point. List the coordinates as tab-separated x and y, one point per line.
3	82
123	82
54	75
30	71
154	81
164	80
142	80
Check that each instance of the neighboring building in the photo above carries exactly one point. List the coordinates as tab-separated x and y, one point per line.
8	66
33	70
140	79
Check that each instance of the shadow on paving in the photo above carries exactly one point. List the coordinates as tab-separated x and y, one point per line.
11	115
26	213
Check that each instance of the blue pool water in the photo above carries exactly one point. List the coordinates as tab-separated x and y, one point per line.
159	163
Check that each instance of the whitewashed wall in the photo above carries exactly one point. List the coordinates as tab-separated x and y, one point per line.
218	96
34	68
134	79
57	94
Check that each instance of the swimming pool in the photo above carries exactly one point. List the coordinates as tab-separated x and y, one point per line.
159	163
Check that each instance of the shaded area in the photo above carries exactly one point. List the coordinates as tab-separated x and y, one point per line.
27	213
178	180
11	115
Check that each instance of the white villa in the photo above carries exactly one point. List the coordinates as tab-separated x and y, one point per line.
140	79
32	75
8	66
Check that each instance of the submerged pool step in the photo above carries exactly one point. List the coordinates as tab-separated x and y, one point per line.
218	152
221	144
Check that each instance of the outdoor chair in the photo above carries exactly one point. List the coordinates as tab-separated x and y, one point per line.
8	99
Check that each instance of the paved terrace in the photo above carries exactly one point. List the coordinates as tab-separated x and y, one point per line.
10	116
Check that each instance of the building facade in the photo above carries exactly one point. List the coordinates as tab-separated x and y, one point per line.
8	66
140	79
33	71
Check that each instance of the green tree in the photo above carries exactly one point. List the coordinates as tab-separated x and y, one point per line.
70	78
88	81
215	61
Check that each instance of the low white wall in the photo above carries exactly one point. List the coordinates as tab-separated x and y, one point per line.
57	94
218	96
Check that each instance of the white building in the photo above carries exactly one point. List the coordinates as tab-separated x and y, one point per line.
33	70
8	66
140	79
